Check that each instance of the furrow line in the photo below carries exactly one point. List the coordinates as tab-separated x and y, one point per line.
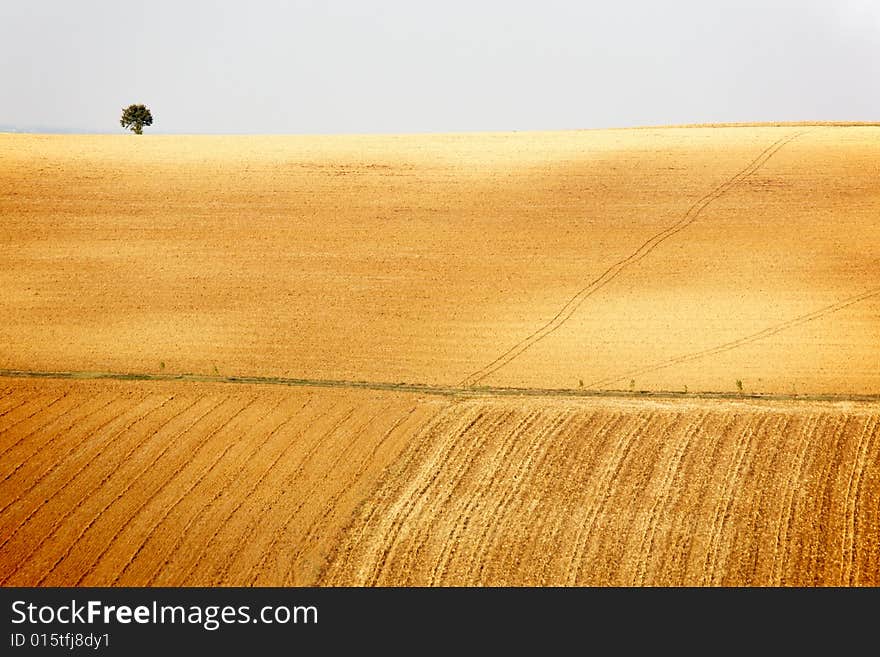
418	445
58	521
331	502
463	462
56	436
474	466
537	449
14	407
851	505
793	486
482	488
278	430
401	509
169	510
575	468
854	570
219	491
830	465
633	484
296	475
61	490
167	481
41	409
722	506
96	517
605	482
768	475
61	461
671	478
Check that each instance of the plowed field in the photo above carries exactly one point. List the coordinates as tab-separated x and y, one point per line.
389	346
136	484
616	493
521	259
217	484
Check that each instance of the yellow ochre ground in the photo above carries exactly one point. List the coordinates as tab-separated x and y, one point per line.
742	260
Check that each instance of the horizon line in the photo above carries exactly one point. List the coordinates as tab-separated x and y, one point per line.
48	131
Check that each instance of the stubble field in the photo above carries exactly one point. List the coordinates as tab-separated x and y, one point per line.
452	316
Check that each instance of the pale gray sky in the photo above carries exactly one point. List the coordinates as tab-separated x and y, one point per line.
348	66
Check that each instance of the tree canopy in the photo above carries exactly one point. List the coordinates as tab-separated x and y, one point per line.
135	117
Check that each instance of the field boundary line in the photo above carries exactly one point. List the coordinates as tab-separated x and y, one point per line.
438	389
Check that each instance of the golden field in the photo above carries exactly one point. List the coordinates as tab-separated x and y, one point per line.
152	483
448	306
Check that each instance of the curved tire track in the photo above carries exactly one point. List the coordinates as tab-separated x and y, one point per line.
571	306
733	344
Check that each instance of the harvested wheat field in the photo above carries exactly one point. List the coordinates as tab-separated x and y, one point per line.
151	484
645	356
626	493
596	256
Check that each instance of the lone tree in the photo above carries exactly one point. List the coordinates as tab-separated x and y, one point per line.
135	117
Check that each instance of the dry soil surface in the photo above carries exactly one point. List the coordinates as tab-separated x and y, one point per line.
740	260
